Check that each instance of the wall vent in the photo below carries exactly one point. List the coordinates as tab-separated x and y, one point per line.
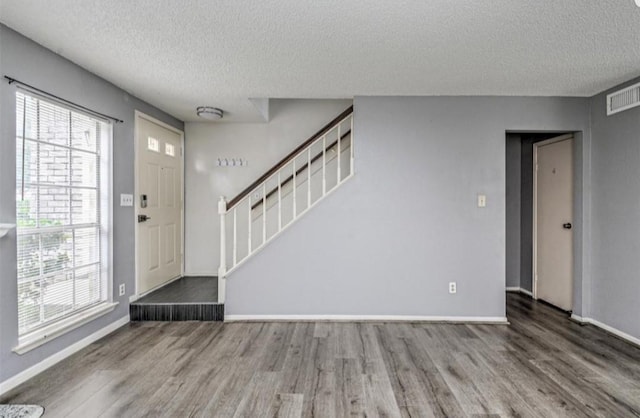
623	99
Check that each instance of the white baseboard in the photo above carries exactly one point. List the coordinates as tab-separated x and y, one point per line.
610	329
579	319
38	368
367	318
520	290
526	292
207	274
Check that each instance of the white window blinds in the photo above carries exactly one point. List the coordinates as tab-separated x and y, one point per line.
58	202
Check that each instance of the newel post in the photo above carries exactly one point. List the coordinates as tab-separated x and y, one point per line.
222	270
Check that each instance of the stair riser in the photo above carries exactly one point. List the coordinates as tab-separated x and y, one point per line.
177	312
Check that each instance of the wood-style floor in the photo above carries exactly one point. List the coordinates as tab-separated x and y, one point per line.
541	365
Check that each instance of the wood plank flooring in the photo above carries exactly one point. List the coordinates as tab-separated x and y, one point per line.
541	365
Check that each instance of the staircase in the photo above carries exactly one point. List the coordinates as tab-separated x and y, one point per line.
282	195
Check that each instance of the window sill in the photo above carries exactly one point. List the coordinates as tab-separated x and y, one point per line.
5	228
35	339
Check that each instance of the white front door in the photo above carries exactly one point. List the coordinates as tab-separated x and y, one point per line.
159	204
553	263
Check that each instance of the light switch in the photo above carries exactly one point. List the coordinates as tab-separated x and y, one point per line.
126	200
482	201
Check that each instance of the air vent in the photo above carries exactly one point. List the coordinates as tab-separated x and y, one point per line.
623	99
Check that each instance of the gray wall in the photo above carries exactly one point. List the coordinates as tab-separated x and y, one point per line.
35	65
615	243
262	144
389	241
513	156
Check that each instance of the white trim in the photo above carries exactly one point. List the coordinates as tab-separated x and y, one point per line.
165	125
519	290
31	339
43	335
627	337
140	115
207	274
578	318
38	368
526	292
555	139
365	318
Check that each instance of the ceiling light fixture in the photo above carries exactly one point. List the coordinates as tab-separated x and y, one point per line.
209	112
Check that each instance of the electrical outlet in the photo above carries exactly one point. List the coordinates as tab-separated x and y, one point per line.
452	287
121	289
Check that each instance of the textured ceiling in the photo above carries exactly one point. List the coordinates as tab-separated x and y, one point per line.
181	54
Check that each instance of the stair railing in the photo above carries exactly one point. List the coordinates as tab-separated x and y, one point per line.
293	186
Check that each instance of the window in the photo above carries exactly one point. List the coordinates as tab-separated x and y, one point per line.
169	150
153	144
62	204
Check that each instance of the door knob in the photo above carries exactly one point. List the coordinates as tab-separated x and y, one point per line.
143	218
567	225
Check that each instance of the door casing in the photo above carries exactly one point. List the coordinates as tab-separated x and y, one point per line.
140	115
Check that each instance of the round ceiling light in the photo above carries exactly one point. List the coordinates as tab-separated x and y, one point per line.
209	112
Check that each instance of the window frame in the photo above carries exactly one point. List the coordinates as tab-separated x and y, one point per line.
76	318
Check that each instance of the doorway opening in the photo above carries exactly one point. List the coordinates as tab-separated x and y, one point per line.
539	248
158	203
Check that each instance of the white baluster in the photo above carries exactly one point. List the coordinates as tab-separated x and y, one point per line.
324	165
339	151
222	270
279	202
295	205
250	225
264	212
309	177
235	237
351	147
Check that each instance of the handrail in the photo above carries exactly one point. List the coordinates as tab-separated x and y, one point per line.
300	170
289	157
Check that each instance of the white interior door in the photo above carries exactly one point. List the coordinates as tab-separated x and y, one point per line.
553	258
159	204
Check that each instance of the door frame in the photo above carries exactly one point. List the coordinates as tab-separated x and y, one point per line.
138	115
534	258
